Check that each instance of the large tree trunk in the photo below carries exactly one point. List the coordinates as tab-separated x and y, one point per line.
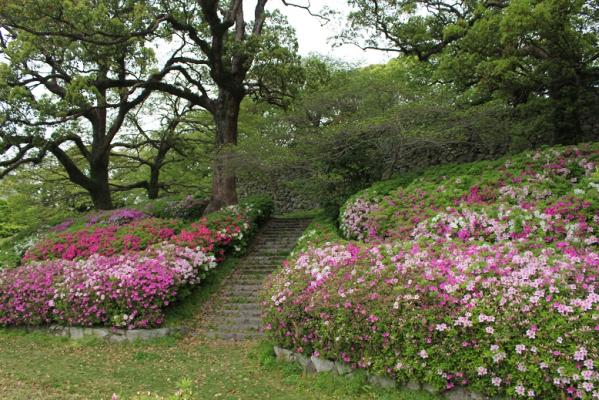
101	199
153	184
98	165
224	185
100	188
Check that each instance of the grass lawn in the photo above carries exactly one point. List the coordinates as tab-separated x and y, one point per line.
37	366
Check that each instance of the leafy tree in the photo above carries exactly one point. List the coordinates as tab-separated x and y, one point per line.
100	58
539	55
183	136
222	58
61	84
350	127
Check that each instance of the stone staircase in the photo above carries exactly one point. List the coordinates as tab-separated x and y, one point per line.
236	315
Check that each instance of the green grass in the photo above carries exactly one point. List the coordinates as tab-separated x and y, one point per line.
38	366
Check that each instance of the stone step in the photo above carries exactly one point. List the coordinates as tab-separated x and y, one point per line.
243	286
236	305
240	320
255	264
238	336
253	274
247	279
247	282
247	293
238	327
249	313
265	258
239	315
270	267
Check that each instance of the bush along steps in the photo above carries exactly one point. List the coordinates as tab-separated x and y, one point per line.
482	276
120	270
237	315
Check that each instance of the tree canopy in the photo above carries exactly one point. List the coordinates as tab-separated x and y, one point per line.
73	71
540	55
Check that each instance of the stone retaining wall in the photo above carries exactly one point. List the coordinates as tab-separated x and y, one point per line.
285	198
316	364
110	334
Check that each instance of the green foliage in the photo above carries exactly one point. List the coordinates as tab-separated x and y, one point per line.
187	208
322	229
538	56
352	127
258	207
8	227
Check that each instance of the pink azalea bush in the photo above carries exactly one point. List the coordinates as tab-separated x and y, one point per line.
120	216
483	275
121	231
129	290
102	239
443	314
123	275
558	183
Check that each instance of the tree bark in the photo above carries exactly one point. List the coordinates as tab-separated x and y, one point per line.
101	198
224	181
100	188
153	183
99	161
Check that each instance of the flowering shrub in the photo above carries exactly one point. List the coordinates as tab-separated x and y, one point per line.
121	216
129	290
187	208
356	221
481	274
102	239
119	273
555	181
63	226
485	315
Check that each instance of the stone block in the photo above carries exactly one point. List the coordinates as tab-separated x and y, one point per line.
76	332
342	368
322	365
283	354
382	381
305	362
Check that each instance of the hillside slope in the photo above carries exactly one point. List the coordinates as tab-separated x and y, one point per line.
481	275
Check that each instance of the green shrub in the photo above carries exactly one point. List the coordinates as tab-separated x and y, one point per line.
187	208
